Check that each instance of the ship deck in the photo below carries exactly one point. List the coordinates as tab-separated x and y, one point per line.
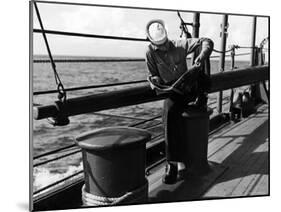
239	161
238	155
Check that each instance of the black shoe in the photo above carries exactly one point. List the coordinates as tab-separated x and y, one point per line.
170	176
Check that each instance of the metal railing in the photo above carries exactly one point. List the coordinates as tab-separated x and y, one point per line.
143	94
90	87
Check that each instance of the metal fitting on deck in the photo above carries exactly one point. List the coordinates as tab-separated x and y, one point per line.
114	166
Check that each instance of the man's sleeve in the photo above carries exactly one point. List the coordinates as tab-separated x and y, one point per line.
151	65
193	43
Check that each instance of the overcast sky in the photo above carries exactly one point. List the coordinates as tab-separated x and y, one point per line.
129	23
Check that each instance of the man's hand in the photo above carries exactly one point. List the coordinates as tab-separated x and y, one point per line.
199	59
154	80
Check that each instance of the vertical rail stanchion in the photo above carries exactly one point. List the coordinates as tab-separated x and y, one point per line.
195	31
223	36
261	62
254	88
232	54
253	41
232	68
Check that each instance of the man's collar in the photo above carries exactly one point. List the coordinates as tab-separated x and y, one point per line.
155	47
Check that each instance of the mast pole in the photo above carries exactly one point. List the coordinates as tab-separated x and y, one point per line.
195	30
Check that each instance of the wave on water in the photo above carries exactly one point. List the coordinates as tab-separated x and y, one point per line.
44	176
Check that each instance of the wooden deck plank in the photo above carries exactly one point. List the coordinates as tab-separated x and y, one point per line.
224	186
233	141
249	181
254	173
220	153
245	156
233	176
261	187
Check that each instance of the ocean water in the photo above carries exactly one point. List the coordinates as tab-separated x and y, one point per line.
47	137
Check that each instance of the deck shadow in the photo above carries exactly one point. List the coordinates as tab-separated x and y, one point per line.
187	189
245	158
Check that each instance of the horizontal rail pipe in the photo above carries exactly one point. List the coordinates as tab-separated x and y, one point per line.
54	32
239	77
89	60
144	94
114	60
89	87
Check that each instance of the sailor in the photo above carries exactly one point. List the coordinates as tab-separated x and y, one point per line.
166	62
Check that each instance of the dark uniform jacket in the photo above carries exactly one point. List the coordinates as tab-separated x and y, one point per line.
170	65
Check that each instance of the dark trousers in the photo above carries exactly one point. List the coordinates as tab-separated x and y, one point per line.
173	126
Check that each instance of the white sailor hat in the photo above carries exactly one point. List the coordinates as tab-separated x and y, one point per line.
156	32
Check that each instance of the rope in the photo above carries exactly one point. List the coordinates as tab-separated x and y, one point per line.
139	194
234	47
187	75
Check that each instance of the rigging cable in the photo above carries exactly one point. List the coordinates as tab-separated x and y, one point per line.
183	27
263	42
61	118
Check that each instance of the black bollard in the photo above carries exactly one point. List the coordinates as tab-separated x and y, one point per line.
114	164
195	135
